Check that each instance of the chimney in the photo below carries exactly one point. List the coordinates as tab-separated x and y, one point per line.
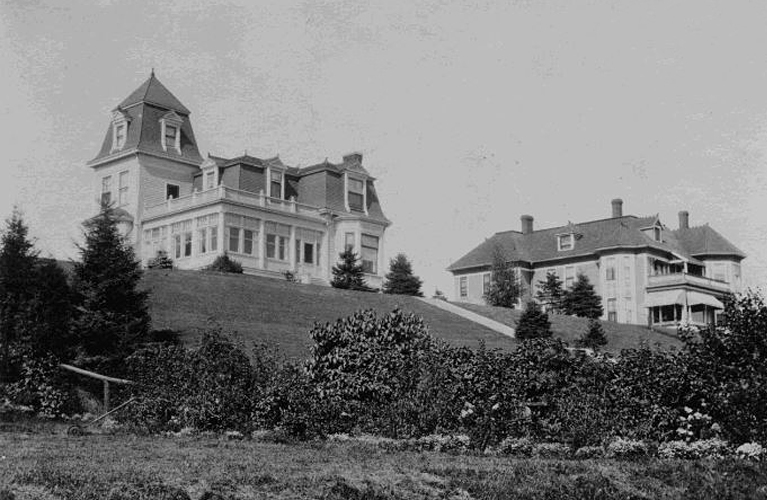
527	224
617	207
353	158
684	219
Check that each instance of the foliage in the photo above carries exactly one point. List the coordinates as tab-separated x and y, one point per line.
534	323
505	288
751	451
581	300
112	312
551	293
594	337
225	264
627	448
348	273
40	385
400	279
160	261
693	450
17	267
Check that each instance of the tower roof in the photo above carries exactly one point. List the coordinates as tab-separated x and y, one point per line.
153	92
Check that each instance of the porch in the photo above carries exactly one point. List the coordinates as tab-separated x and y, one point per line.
672	307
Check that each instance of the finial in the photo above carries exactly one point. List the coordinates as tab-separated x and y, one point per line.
246	152
152	75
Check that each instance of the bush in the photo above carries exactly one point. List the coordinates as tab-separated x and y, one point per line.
710	448
225	264
552	450
589	452
750	451
160	261
516	447
594	337
534	323
627	448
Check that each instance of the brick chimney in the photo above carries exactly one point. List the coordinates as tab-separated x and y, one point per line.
617	207
353	159
684	219
527	224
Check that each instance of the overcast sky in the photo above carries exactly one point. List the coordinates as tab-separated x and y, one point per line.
469	114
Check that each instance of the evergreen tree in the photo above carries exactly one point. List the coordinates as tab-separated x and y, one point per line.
348	273
17	268
46	320
505	288
400	279
161	261
112	310
581	300
550	293
534	323
594	337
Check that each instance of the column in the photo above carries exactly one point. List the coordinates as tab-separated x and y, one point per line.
293	258
261	244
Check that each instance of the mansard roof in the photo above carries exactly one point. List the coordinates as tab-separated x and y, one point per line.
143	111
153	92
595	237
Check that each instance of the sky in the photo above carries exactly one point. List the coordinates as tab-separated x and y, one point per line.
468	113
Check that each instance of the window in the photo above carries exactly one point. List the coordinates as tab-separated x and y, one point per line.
106	190
122	199
612	315
154	240
485	283
277	236
656	233
210	180
349	241
463	286
182	238
275	189
610	269
356	195
565	241
120	130
171	136
207	233
242	234
569	277
369	253
308	246
171	191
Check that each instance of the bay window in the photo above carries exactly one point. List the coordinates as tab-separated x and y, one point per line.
369	245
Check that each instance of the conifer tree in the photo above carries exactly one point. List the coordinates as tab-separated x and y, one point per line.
17	267
534	323
112	310
594	337
581	300
550	293
348	273
400	278
505	288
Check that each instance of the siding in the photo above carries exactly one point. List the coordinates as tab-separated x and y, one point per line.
252	179
312	189
335	191
197	183
230	177
156	173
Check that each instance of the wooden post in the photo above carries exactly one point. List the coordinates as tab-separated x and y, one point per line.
106	396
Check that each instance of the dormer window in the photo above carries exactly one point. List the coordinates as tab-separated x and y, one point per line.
210	180
170	132
655	231
565	242
119	130
356	195
275	186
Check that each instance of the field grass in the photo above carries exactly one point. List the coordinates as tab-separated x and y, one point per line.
254	308
52	466
570	328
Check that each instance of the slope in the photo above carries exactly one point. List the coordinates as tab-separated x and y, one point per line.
253	308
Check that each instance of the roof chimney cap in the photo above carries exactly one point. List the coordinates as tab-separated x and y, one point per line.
617	204
527	224
684	219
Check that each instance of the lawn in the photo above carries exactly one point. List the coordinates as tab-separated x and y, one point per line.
254	308
52	466
570	328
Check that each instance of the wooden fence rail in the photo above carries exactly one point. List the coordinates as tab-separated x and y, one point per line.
98	376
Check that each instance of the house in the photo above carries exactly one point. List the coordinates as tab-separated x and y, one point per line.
271	217
645	272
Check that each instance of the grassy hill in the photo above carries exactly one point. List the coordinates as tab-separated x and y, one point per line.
280	312
569	328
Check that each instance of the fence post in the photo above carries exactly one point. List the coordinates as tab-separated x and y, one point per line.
106	396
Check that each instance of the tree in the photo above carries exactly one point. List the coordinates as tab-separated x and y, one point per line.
46	318
161	261
400	278
550	293
594	337
17	268
348	273
505	288
112	311
534	323
581	300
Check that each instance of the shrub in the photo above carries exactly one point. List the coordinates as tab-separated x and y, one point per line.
160	261
516	447
551	450
594	337
708	448
534	323
225	264
589	452
626	448
750	451
348	273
